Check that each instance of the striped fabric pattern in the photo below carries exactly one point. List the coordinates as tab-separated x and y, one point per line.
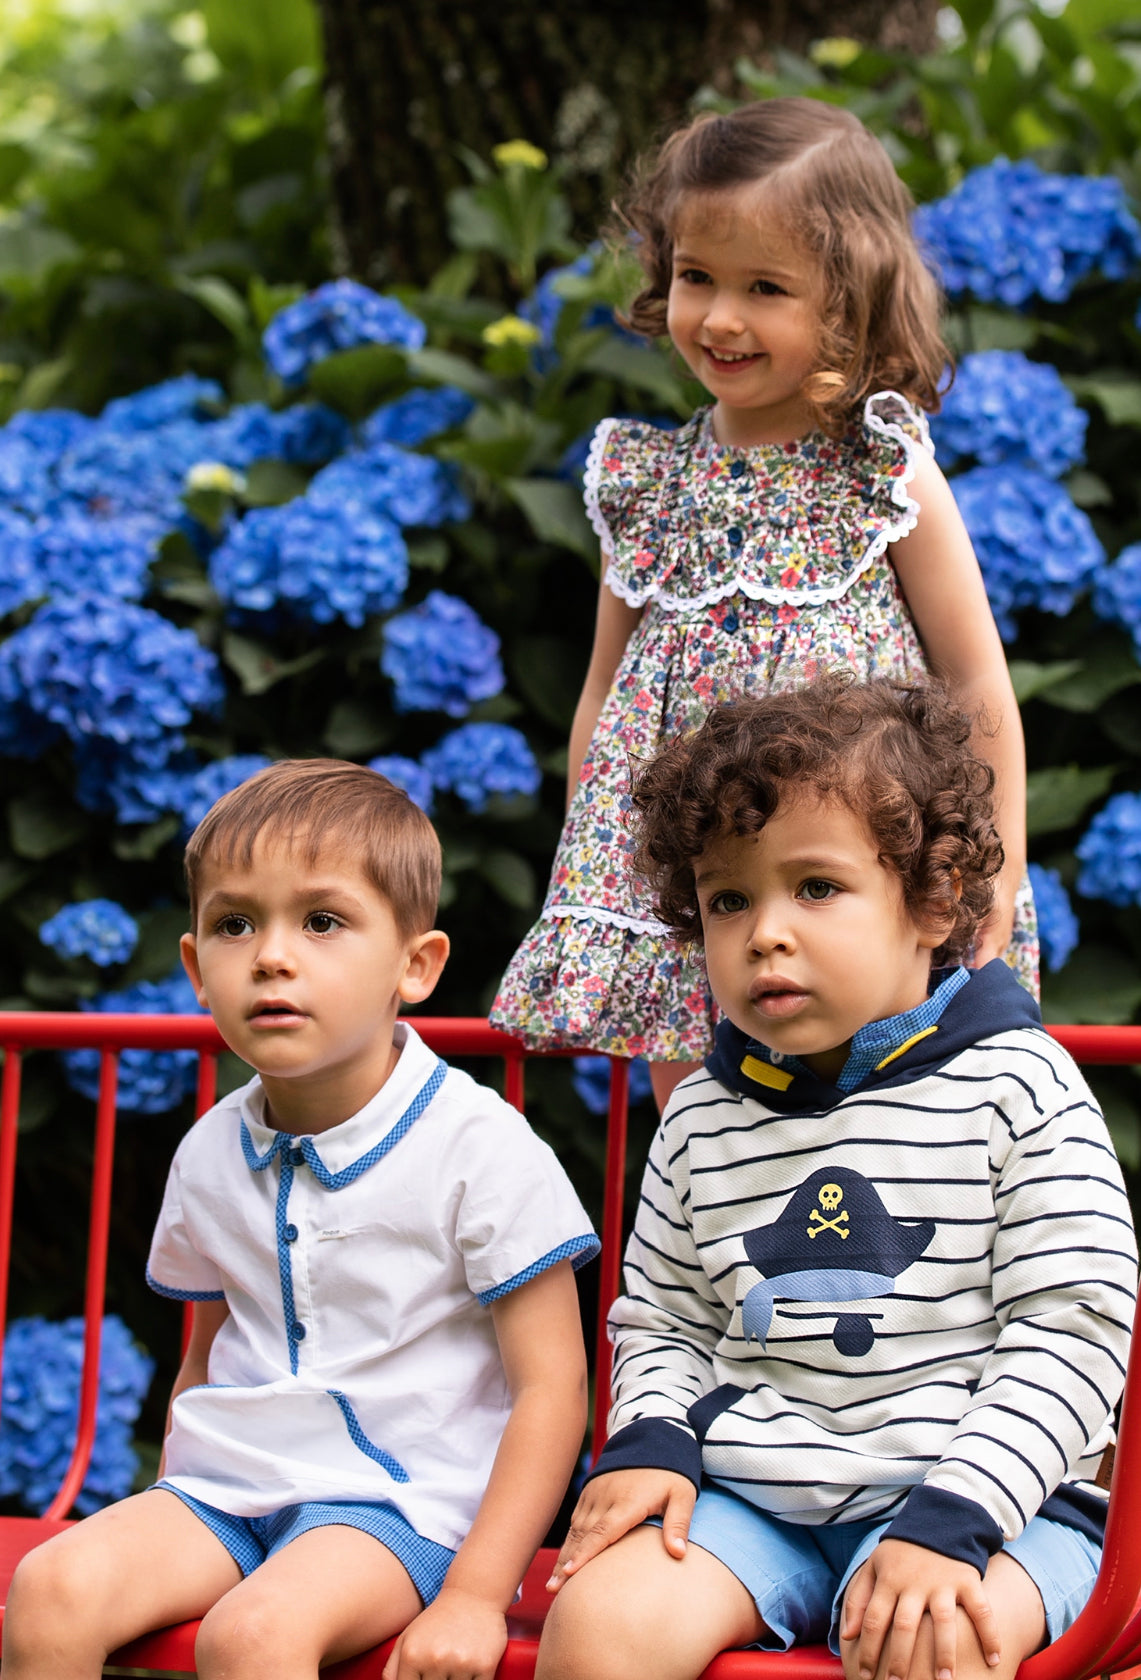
986	1367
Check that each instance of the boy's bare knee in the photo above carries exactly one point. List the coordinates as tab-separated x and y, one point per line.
52	1603
245	1633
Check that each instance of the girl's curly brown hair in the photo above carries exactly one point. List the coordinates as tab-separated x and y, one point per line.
897	754
835	189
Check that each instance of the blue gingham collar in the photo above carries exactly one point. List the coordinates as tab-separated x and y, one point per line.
878	1042
365	1136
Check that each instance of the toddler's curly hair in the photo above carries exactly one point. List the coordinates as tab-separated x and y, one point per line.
897	754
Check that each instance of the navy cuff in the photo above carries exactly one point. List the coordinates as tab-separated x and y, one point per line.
651	1444
948	1523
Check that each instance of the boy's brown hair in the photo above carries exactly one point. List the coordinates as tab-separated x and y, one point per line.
835	189
320	803
897	754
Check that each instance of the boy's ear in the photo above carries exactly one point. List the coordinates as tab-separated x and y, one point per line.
427	954
188	949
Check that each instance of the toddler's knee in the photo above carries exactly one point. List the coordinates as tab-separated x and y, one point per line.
244	1634
590	1636
50	1603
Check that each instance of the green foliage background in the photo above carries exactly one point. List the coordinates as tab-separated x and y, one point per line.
162	193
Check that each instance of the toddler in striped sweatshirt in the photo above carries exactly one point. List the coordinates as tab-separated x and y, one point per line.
879	1291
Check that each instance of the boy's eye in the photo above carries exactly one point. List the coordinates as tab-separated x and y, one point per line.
233	925
322	921
768	288
728	903
817	891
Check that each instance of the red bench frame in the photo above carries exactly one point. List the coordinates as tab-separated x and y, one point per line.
1106	1639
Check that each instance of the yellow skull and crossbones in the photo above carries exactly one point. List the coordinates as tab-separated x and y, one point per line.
829	1196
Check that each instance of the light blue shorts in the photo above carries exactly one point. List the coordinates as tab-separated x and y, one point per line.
798	1574
250	1540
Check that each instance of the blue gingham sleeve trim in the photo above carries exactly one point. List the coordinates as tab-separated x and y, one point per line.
578	1250
173	1294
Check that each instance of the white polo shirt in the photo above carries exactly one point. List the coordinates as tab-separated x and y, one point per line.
359	1359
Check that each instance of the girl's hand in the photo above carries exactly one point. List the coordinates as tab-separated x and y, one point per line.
458	1637
613	1504
888	1598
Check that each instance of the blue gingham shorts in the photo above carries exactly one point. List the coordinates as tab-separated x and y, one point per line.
250	1540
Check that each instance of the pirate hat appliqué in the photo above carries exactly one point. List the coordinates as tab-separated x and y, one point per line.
833	1241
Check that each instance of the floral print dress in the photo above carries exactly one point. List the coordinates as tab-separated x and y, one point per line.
756	568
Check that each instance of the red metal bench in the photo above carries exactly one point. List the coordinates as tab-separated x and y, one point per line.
1106	1639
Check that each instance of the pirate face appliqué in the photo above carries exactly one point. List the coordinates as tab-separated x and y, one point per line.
834	1241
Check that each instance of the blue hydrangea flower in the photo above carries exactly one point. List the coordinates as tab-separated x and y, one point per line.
204	789
109	473
479	760
317	562
392	482
591	1079
1057	925
48	430
307	434
337	316
20	579
1117	593
108	671
406	773
100	556
97	928
137	780
1010	232
418	416
1036	549
1004	407
440	656
184	398
42	1367
150	1081
1110	852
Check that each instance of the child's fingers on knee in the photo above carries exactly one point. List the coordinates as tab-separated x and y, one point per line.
856	1598
392	1666
977	1606
676	1519
945	1637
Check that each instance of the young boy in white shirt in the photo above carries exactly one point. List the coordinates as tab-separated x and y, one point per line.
881	1281
384	1391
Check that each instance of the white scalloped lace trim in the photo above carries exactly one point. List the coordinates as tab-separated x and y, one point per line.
611	918
740	585
590	480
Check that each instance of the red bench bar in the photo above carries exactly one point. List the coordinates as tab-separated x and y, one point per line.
1106	1639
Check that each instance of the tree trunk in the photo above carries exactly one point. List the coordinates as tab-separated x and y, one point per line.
593	83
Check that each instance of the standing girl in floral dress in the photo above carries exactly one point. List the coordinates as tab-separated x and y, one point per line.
798	524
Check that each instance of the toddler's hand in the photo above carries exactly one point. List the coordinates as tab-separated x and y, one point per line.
458	1637
886	1601
613	1504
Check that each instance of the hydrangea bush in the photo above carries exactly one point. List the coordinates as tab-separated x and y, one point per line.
42	1367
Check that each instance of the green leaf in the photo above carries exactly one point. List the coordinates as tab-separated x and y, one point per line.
13	876
271	483
42	382
1087	490
28	252
219	299
429	554
548	672
1029	679
440	367
157	951
1111	667
356	730
41	823
998	329
265	40
1098	984
139	845
511	876
257	667
15	161
1118	396
355	381
555	512
1059	796
645	369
